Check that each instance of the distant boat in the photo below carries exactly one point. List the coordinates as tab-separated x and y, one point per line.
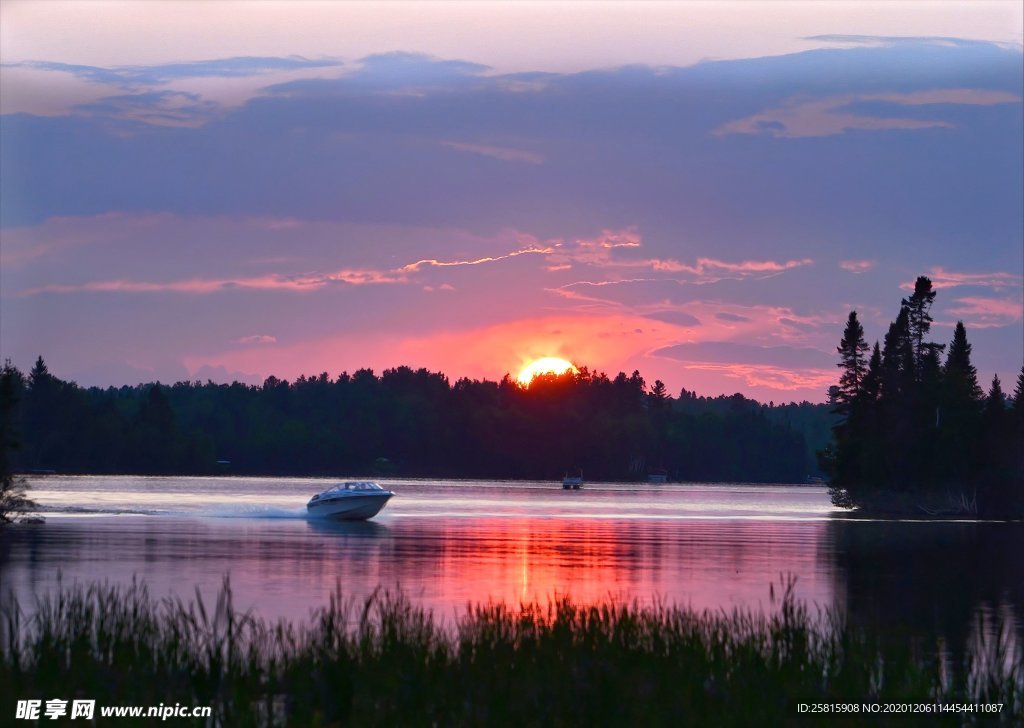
572	482
657	476
354	500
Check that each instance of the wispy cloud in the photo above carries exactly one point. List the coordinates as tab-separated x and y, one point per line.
805	117
774	367
136	76
433	263
986	313
731	317
256	339
506	154
704	271
163	108
771	377
857	266
188	286
727	352
711	267
898	40
279	282
942	278
615	250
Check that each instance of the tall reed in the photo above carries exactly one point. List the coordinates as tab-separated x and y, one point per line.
387	660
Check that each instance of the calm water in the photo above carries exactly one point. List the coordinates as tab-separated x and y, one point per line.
447	543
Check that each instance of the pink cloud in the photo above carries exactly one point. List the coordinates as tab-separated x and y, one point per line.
602	252
278	282
707	266
202	286
431	262
857	266
772	377
986	313
610	251
942	278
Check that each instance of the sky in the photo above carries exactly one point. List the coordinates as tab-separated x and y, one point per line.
699	191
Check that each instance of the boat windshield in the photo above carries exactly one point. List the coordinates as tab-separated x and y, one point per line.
360	485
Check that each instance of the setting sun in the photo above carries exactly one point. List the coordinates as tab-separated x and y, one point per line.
546	365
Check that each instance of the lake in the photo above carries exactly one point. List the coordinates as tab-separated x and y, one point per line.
447	543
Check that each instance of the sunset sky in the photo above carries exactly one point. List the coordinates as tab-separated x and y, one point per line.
701	191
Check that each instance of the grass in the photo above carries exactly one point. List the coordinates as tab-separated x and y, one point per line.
387	661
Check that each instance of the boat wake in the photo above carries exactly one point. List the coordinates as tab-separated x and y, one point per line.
253	511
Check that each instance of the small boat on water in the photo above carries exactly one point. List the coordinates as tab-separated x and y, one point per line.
354	500
572	482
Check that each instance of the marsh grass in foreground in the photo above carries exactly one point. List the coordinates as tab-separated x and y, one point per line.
386	660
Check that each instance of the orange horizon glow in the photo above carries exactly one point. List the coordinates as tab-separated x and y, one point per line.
544	365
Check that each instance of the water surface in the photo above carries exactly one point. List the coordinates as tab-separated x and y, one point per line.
451	542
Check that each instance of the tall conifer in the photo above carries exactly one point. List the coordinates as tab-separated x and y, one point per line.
897	357
852	361
961	377
872	379
919	320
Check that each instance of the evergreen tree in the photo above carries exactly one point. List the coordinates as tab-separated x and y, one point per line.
40	375
851	350
872	386
995	403
961	378
918	426
897	358
919	319
960	446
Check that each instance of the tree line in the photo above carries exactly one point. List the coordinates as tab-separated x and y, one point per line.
919	432
408	422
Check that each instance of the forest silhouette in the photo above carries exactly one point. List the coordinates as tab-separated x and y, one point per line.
917	434
408	422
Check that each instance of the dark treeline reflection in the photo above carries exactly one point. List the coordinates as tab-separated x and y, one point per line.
413	422
928	583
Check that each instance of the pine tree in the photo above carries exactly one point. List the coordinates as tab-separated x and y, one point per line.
872	379
959	448
919	318
851	350
960	375
39	376
897	357
996	401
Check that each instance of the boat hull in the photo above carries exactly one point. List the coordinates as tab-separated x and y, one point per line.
349	508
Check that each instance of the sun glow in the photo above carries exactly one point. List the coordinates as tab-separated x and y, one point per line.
546	365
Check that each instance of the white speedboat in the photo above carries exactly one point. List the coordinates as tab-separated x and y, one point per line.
355	500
